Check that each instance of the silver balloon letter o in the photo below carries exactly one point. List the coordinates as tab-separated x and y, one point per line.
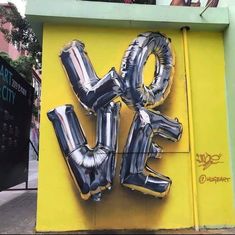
135	57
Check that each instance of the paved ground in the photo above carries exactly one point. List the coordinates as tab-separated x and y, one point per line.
17	216
179	231
18	213
18	208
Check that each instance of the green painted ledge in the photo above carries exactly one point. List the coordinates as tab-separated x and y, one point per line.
123	15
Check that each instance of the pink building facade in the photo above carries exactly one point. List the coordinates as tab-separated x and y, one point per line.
5	46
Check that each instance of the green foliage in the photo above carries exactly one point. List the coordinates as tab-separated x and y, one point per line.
21	33
6	57
23	65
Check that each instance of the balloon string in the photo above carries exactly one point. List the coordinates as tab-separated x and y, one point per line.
191	128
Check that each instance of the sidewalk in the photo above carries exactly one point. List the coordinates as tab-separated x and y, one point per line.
17	216
18	208
18	213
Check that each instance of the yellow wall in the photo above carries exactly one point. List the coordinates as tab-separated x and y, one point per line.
216	205
60	207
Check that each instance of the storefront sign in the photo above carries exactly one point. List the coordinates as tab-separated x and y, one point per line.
16	98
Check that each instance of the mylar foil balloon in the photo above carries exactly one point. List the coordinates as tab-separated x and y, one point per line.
135	173
92	169
92	92
135	57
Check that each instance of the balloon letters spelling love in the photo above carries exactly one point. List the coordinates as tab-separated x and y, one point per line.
135	172
93	169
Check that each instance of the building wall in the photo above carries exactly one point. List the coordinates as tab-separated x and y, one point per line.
229	37
60	207
215	198
10	49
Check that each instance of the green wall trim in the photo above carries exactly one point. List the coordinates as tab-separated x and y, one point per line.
123	15
229	49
